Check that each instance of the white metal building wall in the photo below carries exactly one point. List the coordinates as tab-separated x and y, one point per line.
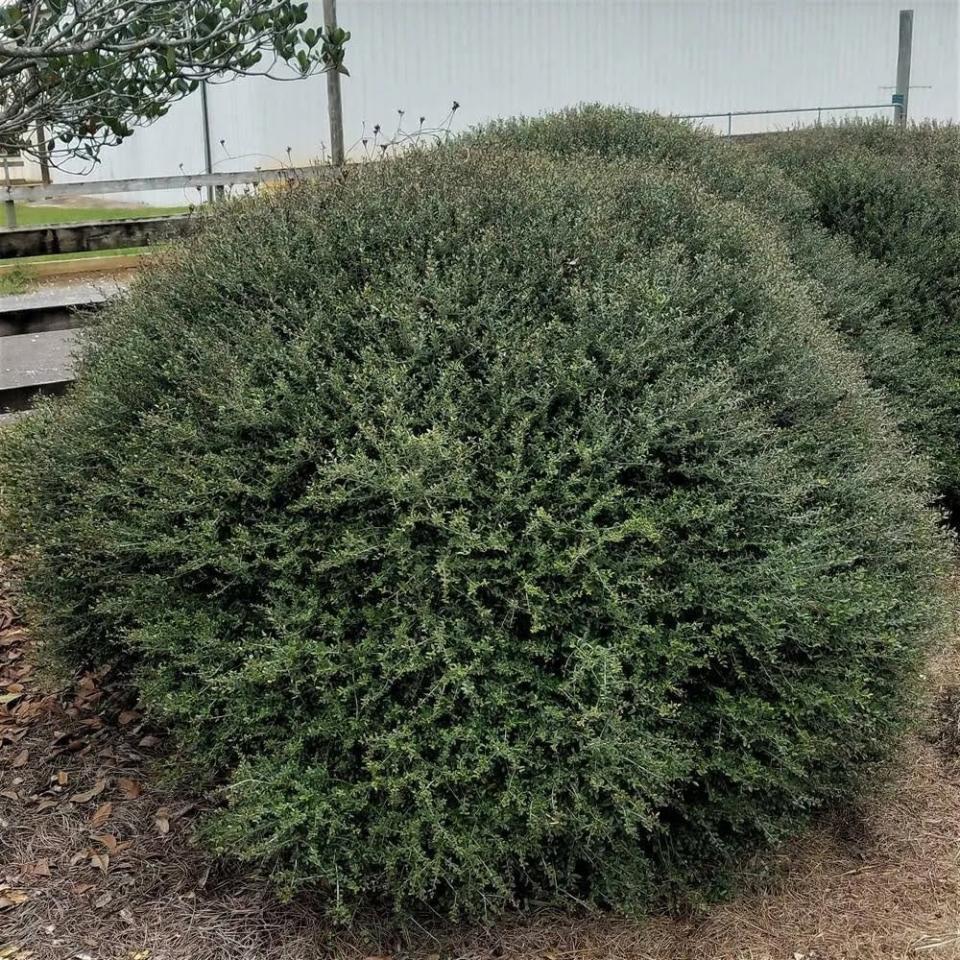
506	57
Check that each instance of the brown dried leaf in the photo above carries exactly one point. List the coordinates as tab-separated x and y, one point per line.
161	820
41	868
45	805
82	888
127	717
63	778
94	791
20	760
10	794
12	898
51	705
149	741
101	861
103	900
108	840
101	814
129	788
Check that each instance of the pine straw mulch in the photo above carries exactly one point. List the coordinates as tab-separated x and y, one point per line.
97	861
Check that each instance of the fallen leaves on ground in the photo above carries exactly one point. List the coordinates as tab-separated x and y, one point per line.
12	898
101	815
129	789
161	820
88	795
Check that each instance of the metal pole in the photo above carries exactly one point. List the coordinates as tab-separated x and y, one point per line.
729	126
904	52
334	103
207	155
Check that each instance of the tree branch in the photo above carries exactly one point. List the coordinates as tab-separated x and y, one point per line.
90	71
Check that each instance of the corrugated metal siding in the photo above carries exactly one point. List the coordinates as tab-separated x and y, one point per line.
506	57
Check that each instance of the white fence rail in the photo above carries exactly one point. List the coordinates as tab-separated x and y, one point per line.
83	188
819	111
26	193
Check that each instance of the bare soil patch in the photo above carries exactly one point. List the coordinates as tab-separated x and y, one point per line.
98	859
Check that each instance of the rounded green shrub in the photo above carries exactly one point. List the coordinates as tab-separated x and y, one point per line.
490	529
885	311
895	195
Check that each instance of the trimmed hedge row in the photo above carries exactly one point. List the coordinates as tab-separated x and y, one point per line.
491	527
896	195
864	213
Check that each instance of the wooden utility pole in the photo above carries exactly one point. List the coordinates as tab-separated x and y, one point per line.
901	98
334	103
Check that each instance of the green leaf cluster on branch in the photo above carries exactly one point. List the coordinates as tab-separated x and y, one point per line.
87	74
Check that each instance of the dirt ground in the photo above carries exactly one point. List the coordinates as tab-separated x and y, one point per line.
97	861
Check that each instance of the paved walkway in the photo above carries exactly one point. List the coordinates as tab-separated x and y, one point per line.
62	294
37	358
32	360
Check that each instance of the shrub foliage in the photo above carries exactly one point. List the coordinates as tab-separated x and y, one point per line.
490	527
865	215
895	194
